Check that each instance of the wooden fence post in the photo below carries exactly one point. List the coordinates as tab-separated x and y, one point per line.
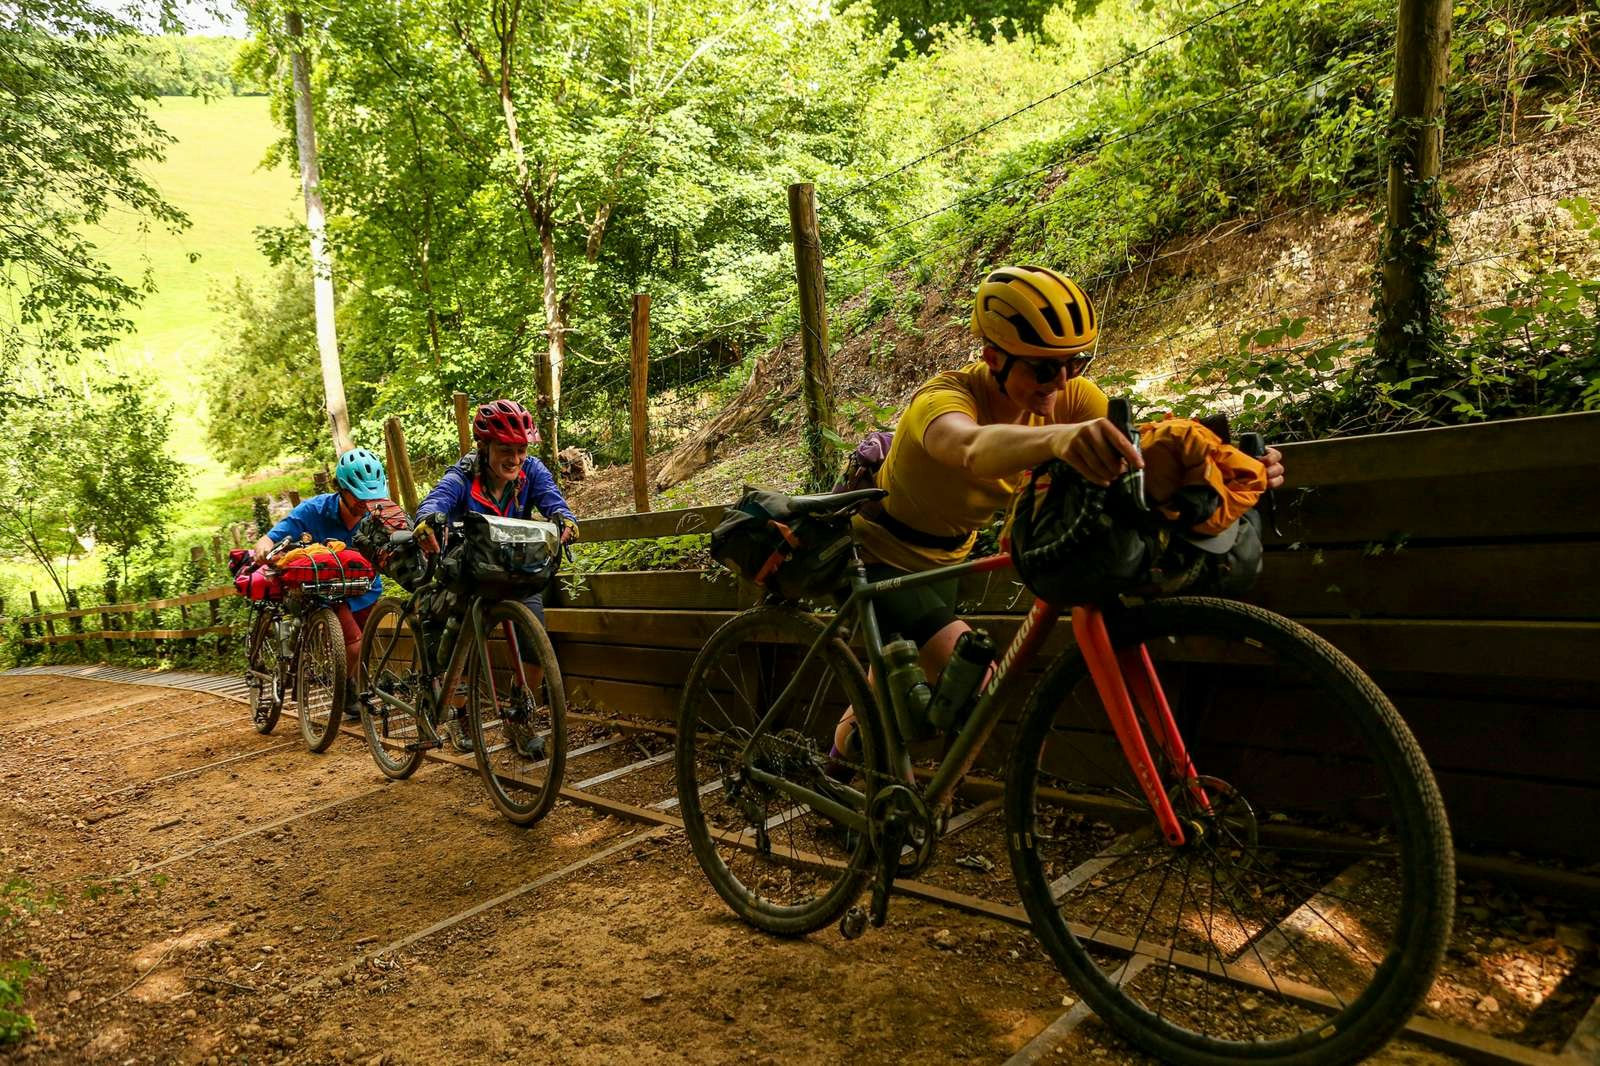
262	516
294	498
639	352
1410	324
106	616
216	620
319	482
75	623
463	422
33	598
820	432
216	550
156	592
400	469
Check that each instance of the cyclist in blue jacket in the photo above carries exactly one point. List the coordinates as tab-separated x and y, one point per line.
499	477
333	516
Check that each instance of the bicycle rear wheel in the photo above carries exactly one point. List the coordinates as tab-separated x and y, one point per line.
1305	916
261	673
394	688
517	717
320	684
780	865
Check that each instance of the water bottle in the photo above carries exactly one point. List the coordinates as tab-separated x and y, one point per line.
908	688
962	675
447	640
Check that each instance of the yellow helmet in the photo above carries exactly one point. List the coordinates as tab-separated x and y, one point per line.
1035	312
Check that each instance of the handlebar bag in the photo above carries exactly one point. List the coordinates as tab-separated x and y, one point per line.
258	583
339	575
509	557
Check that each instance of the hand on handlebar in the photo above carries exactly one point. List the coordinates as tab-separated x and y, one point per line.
1273	460
1098	450
425	539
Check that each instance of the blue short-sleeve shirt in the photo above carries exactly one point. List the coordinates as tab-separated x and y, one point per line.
320	517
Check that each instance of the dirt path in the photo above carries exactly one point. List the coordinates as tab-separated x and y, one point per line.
245	929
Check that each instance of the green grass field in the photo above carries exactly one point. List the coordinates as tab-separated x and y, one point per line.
214	174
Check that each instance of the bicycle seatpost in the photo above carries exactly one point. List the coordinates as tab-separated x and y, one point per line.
1119	412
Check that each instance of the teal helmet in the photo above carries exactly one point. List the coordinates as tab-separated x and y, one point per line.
361	474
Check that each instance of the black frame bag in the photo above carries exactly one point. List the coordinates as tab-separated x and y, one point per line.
794	557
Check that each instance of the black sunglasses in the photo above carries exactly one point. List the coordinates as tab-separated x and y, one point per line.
1047	370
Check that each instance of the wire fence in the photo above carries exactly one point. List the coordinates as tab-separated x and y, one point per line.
1169	302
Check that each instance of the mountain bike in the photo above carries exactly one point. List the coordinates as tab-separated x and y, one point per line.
295	651
483	678
1278	885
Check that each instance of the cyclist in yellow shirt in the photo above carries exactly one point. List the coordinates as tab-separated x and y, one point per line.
970	436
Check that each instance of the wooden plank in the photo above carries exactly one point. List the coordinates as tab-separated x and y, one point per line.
139	634
686	589
673	523
625	698
1507	581
1510	649
618	662
1514	445
1560	502
681	629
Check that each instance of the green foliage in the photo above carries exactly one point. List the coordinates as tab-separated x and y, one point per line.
77	143
127	483
262	402
663	553
14	1022
655	163
21	900
79	464
192	65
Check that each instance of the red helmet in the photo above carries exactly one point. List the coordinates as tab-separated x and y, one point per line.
506	421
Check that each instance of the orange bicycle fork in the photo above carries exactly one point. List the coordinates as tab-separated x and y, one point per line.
1123	678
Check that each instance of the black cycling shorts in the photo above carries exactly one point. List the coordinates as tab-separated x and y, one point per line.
915	613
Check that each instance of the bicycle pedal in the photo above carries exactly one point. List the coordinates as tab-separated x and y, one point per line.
853	923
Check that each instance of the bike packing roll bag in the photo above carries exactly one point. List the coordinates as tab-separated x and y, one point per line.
343	573
795	557
1074	542
508	558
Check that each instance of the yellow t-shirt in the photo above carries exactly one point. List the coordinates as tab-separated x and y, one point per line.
947	501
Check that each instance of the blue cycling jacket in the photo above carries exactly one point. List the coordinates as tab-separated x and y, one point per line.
460	490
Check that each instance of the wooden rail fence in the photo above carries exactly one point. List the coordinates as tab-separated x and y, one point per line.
1459	566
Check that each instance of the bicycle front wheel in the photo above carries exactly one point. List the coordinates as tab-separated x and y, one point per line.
320	680
394	689
261	674
779	864
1305	915
517	713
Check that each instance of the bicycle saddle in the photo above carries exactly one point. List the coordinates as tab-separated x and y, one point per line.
835	502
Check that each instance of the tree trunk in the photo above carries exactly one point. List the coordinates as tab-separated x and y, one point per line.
755	403
321	260
549	365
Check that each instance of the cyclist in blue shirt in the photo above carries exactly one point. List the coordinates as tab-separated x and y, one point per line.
333	515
